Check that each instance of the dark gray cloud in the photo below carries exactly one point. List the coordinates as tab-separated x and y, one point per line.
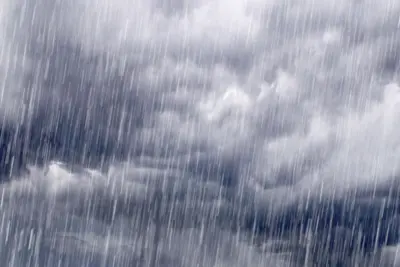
236	113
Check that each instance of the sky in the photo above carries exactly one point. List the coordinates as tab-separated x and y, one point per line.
246	122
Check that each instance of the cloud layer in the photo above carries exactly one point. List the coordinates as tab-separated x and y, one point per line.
245	114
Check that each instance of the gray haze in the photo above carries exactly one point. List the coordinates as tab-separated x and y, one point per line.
208	132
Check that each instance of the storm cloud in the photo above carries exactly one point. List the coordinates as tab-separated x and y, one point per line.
253	122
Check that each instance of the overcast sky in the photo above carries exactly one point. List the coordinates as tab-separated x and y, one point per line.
235	112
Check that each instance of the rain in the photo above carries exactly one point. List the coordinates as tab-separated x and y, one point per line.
205	133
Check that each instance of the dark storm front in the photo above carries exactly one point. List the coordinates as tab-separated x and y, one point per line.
209	133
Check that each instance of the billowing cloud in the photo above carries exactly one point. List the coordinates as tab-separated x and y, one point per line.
235	112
